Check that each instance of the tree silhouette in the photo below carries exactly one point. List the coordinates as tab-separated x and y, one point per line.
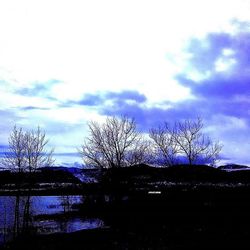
193	143
164	145
185	138
115	143
27	150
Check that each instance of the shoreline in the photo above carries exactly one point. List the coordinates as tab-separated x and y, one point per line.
150	188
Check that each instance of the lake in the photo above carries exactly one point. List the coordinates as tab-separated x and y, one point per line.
42	215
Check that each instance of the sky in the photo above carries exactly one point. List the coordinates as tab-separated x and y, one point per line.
66	62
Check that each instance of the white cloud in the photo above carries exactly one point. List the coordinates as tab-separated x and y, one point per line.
224	64
226	61
96	45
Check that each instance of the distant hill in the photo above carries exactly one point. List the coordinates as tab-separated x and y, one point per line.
44	176
194	173
145	173
83	175
138	174
178	173
61	168
233	167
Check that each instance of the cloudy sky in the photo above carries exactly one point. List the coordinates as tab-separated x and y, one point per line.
64	62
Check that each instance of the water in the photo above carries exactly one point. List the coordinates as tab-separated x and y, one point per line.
41	215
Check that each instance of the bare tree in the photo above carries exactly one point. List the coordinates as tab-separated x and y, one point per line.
193	143
35	149
139	153
27	150
115	143
184	138
164	144
15	156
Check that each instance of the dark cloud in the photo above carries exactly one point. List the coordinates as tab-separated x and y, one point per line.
126	95
67	154
99	99
90	100
3	150
223	87
223	92
147	118
205	52
38	88
27	108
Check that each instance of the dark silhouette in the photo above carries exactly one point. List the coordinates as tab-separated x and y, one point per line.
113	144
185	138
27	151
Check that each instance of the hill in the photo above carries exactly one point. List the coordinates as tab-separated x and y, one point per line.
43	176
179	173
233	167
144	173
82	174
138	174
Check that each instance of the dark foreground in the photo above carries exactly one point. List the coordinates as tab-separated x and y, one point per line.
195	208
181	217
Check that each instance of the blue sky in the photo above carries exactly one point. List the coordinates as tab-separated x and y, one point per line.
63	63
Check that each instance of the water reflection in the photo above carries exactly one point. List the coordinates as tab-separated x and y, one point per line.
67	226
41	215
